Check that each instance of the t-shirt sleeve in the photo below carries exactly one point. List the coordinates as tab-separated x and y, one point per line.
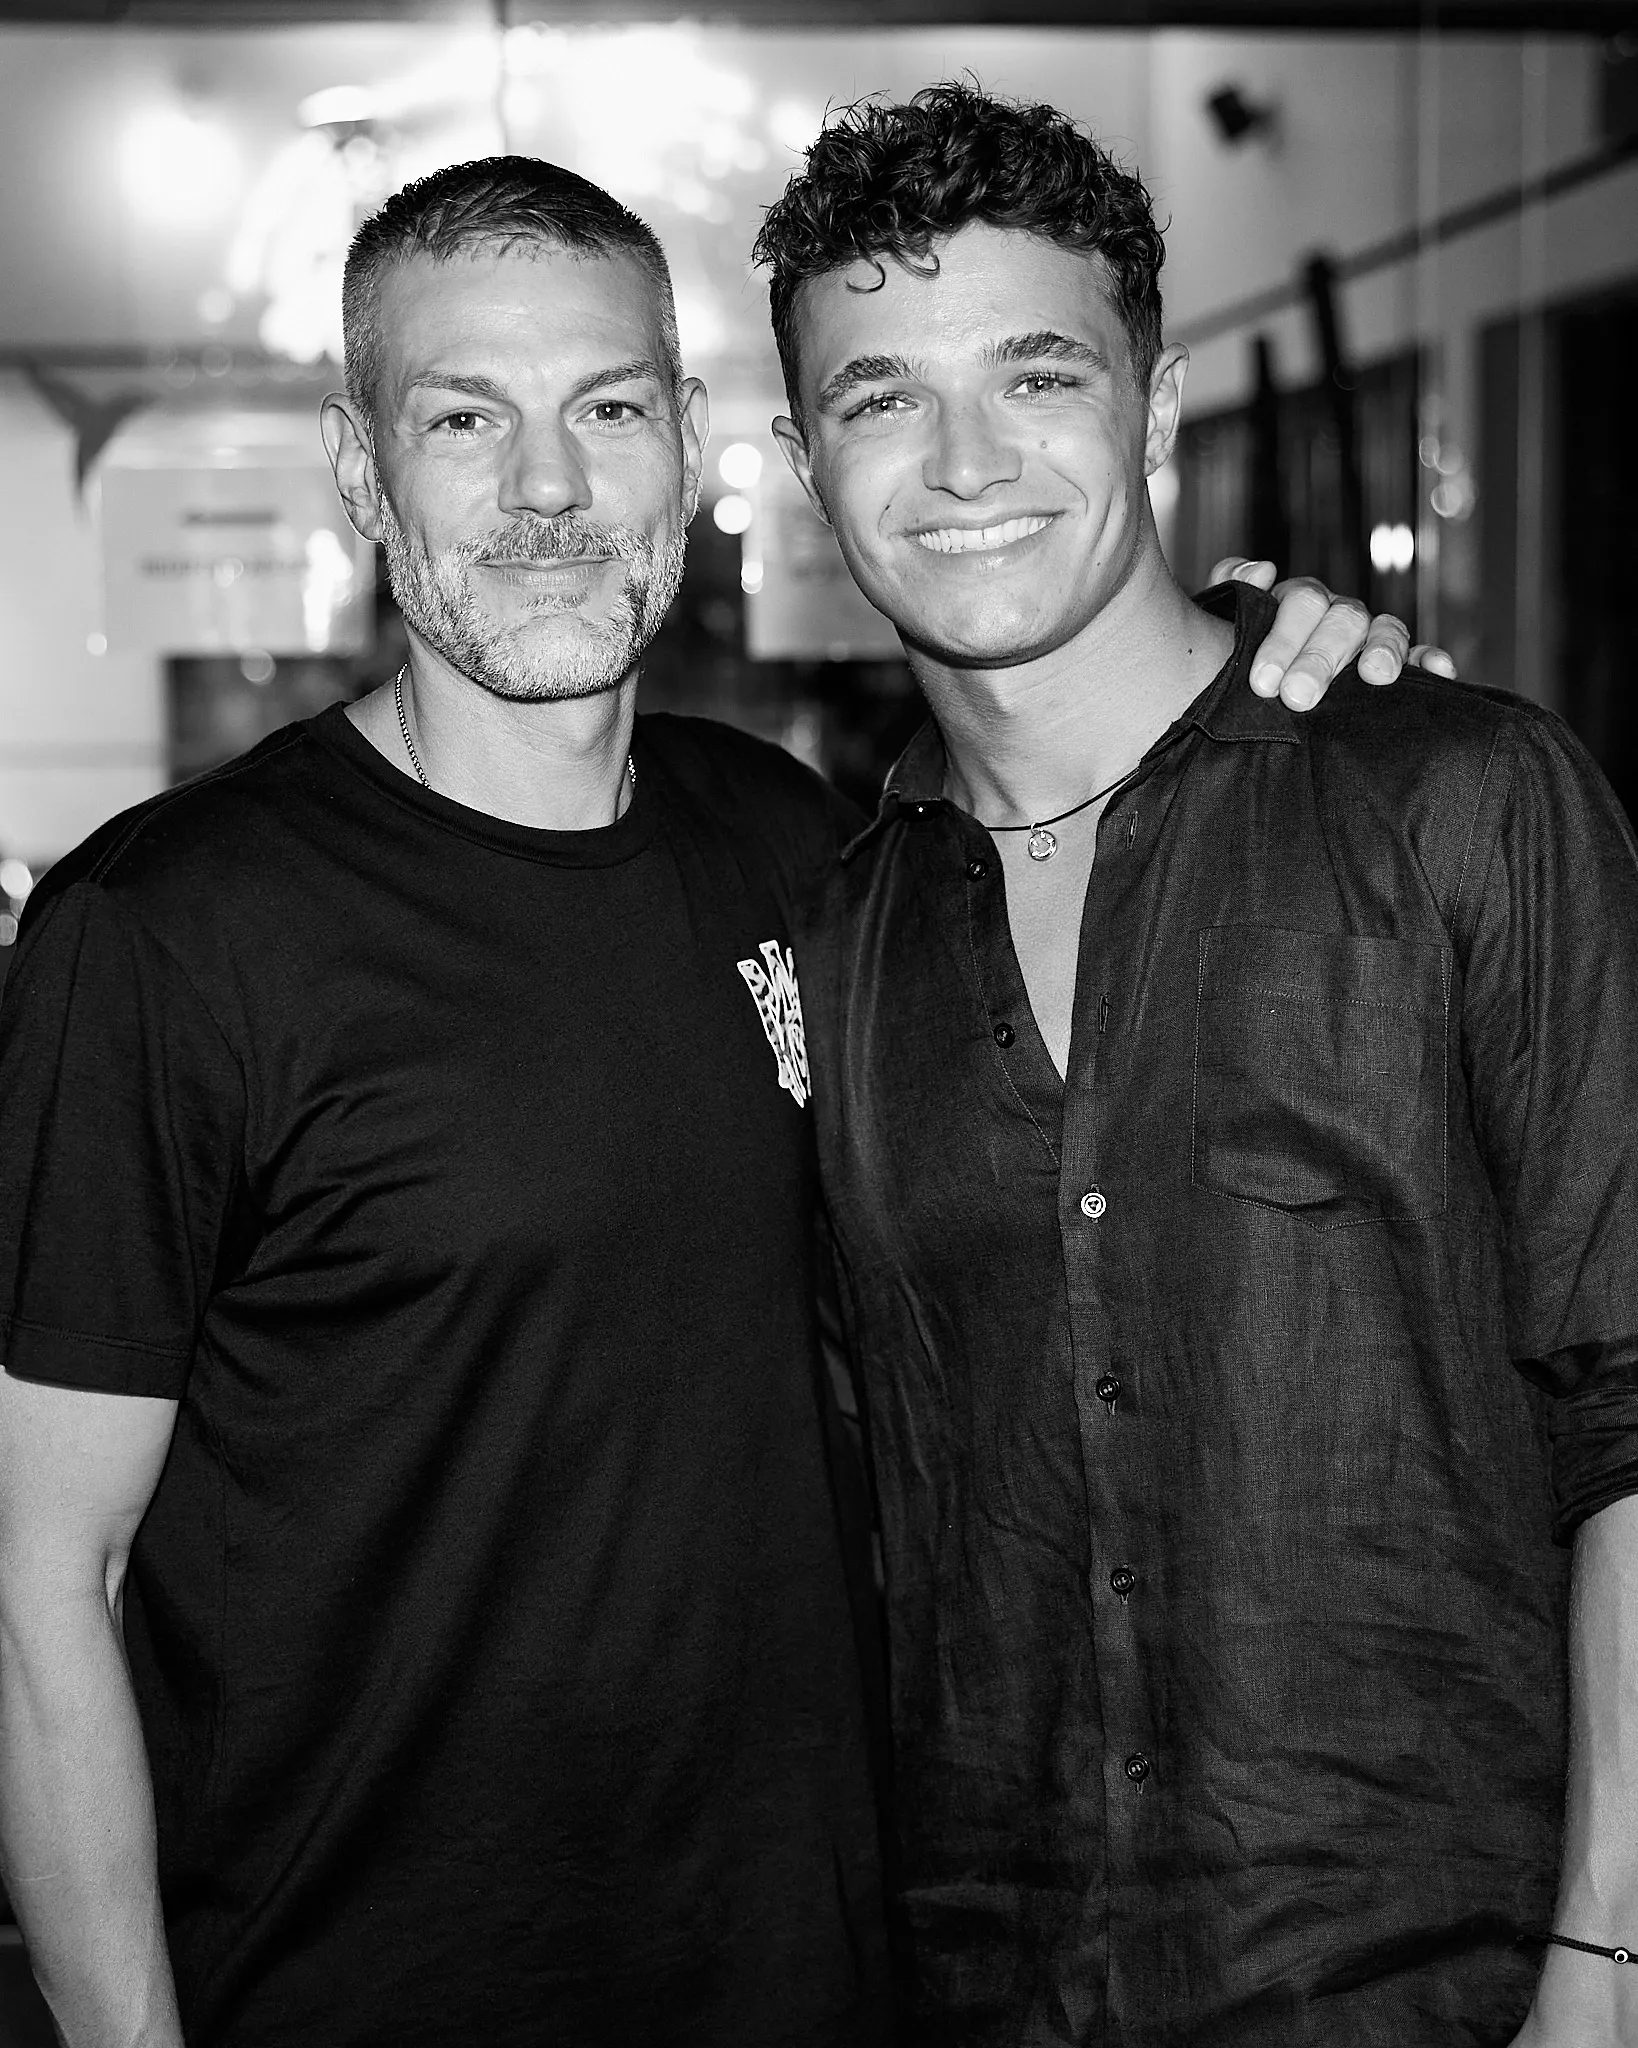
121	1136
1550	1031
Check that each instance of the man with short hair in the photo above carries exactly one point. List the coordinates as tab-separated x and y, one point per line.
404	1218
423	1618
1229	1125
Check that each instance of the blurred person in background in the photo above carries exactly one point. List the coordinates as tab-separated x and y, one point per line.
1229	1126
423	1612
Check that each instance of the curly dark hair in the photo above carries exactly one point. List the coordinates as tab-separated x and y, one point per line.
496	202
887	181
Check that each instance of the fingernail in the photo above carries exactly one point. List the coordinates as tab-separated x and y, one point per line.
1301	694
1265	678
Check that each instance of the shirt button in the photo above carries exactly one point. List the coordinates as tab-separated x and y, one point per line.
1004	1034
1137	1767
1122	1579
1108	1389
977	869
1093	1203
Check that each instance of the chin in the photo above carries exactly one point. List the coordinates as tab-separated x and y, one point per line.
559	687
984	643
586	667
535	661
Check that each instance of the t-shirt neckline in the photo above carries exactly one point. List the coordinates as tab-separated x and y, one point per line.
600	846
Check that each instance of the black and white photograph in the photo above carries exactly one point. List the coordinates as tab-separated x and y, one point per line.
819	1024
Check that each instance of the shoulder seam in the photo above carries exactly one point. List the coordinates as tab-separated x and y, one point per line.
130	917
138	826
1459	918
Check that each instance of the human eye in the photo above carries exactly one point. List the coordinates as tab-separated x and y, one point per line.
1045	383
617	412
460	425
878	405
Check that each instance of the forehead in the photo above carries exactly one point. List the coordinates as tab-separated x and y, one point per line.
531	312
990	282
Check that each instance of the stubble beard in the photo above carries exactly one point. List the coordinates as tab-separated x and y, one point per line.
509	659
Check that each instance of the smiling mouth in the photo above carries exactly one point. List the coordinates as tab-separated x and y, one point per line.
972	540
552	565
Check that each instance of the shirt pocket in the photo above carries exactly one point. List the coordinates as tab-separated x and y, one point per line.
1319	1074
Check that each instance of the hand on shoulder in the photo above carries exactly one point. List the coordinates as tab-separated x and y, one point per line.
1316	634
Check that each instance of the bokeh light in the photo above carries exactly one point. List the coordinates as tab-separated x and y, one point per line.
740	465
181	168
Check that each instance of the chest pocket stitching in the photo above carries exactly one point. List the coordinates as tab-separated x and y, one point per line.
1293	994
1255	984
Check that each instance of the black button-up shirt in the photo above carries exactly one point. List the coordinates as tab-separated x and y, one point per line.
1227	1399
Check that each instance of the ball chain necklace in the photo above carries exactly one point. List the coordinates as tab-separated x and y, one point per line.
415	758
1042	842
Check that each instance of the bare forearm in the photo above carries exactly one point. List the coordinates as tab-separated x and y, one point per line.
77	1826
1583	1999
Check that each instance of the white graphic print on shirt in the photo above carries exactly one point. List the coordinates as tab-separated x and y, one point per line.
779	1005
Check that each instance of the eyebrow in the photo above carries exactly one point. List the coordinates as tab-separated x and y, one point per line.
640	368
862	370
1045	345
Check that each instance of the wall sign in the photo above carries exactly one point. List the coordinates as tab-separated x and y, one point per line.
800	603
222	533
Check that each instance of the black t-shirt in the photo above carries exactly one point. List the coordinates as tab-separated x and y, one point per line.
489	1624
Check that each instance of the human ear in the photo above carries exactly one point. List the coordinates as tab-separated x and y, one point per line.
348	443
1165	406
694	424
793	443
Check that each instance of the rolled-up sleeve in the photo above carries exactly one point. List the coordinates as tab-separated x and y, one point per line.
121	1140
1550	1048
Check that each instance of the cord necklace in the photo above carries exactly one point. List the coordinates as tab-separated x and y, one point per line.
1042	843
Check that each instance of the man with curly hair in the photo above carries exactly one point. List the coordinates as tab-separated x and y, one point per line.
1229	1123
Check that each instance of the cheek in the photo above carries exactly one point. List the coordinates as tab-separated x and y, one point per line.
1108	488
439	507
859	491
644	491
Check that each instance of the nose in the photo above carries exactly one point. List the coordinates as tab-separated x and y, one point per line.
970	452
544	471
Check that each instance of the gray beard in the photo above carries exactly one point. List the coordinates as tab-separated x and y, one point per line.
434	592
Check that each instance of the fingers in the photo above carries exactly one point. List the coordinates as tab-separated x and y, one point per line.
1304	605
1386	647
1434	659
1241	569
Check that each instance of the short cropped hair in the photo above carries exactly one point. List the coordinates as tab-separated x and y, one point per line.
497	202
887	181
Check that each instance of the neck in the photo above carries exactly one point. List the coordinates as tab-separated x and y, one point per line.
1025	741
558	764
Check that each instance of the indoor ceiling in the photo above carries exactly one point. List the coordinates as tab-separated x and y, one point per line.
1562	17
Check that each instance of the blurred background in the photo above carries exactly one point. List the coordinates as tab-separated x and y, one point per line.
1403	249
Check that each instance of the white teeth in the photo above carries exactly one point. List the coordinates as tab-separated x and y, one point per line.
966	540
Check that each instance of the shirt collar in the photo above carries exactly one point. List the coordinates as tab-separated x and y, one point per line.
1226	710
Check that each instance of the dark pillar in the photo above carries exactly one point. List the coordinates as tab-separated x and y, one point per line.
1269	534
1337	382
